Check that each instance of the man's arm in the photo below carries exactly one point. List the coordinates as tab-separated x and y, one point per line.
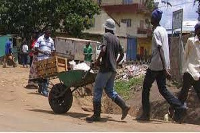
162	58
121	56
102	53
167	71
187	49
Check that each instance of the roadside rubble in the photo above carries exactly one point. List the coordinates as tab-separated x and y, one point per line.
125	73
131	71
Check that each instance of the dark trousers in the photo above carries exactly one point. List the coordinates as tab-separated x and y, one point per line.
160	78
31	60
24	59
188	81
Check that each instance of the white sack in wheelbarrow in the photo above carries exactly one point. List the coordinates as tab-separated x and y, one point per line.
82	66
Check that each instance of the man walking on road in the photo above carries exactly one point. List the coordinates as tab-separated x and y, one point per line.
106	76
191	66
45	48
159	70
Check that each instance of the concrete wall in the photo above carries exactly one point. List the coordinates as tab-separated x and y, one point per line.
175	57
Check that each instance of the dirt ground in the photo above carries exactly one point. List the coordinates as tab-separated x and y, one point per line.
25	110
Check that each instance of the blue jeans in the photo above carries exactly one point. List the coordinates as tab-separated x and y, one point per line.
104	81
160	78
43	86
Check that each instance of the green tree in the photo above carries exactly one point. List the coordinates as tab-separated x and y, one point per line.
149	4
24	16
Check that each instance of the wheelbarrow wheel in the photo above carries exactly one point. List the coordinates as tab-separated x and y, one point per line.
60	98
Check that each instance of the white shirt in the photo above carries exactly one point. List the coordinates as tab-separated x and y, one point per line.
25	48
44	44
160	38
191	59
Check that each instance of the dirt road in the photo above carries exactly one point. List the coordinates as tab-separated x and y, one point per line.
25	110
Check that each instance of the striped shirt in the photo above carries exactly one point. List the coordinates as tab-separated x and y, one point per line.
46	45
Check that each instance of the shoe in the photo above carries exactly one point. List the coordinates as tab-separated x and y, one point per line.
121	103
179	115
31	86
93	118
97	111
39	90
125	112
143	117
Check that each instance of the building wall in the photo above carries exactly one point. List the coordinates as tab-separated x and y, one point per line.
99	20
122	30
98	28
135	23
145	44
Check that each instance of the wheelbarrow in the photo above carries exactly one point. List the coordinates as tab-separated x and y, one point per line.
60	97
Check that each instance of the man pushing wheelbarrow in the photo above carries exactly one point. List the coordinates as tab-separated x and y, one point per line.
106	76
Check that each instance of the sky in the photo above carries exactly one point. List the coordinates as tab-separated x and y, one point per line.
189	11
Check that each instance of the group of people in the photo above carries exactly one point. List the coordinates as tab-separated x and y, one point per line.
41	48
159	70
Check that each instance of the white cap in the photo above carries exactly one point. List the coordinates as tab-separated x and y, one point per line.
109	24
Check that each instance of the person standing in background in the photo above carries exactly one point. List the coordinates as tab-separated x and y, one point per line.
45	48
25	53
33	41
87	51
32	83
9	54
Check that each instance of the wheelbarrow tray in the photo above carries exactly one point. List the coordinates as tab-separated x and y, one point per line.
76	78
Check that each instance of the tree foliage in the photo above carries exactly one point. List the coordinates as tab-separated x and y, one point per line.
149	4
24	16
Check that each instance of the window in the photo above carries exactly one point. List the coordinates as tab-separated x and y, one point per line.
127	21
127	2
142	24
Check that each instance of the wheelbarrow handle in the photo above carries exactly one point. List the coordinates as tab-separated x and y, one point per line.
84	76
91	66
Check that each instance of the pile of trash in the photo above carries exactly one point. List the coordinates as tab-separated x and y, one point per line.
131	71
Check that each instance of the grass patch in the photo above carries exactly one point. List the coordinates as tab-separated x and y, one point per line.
126	88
